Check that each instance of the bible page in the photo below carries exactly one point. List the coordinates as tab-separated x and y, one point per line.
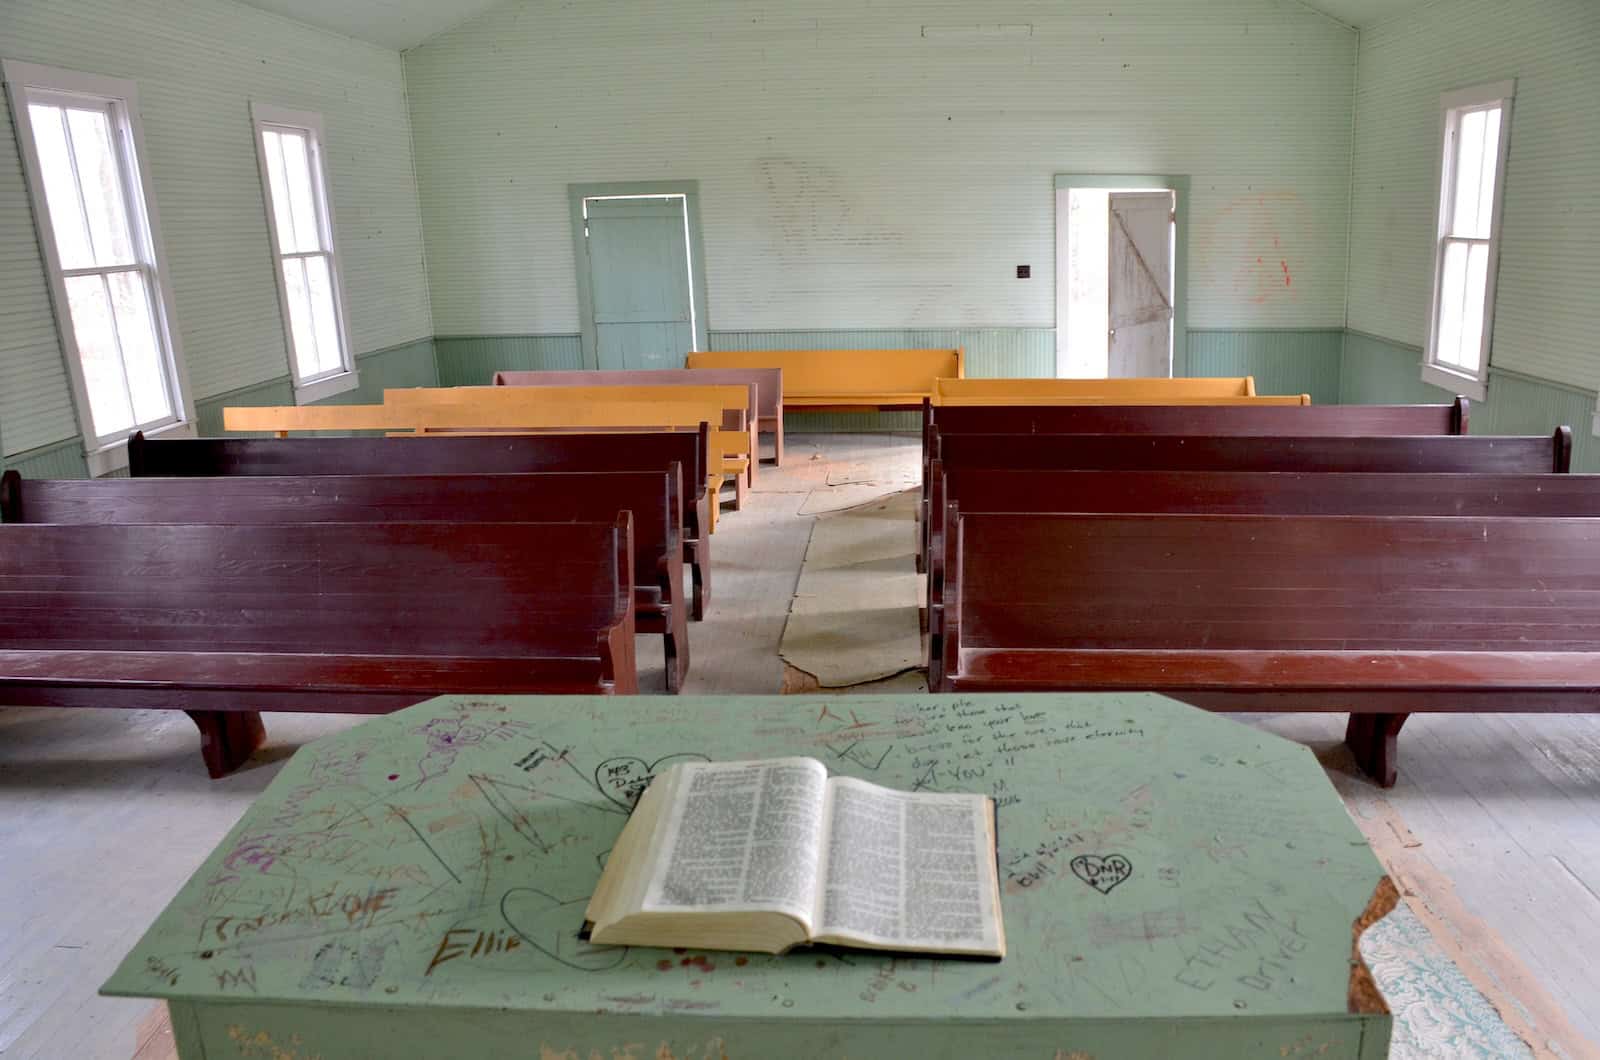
902	870
741	837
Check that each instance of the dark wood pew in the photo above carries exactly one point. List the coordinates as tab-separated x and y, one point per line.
979	490
1380	616
766	408
1272	420
224	622
1504	454
448	455
654	498
1477	454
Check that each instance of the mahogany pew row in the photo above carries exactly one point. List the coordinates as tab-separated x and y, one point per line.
654	498
766	410
983	490
1507	454
1416	454
1251	421
224	622
453	455
1380	616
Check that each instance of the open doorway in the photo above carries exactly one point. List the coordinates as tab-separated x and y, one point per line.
1119	276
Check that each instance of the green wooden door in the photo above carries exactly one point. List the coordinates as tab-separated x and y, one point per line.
639	282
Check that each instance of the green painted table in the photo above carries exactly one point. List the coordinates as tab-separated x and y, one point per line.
414	888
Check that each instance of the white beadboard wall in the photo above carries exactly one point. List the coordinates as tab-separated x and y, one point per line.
884	165
198	64
1546	314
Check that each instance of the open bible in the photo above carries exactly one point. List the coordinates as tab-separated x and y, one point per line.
772	854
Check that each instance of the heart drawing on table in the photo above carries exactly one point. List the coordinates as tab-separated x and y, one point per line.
1102	873
623	779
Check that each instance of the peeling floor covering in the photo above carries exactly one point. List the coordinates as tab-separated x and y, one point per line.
1495	820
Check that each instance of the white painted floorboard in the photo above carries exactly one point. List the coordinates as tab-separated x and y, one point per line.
103	815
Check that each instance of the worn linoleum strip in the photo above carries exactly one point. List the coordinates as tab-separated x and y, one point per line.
855	617
1455	988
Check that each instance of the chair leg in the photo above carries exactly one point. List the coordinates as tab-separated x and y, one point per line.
740	489
227	738
1373	738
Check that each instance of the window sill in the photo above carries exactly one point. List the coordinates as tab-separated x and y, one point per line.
306	393
1460	383
112	458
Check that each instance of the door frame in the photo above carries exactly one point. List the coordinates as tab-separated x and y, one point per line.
1179	185
690	190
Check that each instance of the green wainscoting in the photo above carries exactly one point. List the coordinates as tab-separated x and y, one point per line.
472	360
57	460
408	364
1283	361
1376	371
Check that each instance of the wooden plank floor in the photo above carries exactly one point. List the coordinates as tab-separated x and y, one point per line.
104	815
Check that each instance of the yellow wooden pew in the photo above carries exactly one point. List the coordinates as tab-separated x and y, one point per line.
845	380
283	420
464	419
725	407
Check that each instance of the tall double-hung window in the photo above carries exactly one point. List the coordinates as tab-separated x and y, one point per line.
289	145
83	152
1475	124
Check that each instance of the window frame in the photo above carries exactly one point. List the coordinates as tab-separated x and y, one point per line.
264	116
1452	106
104	453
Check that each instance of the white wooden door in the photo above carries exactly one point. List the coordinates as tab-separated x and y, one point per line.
1139	284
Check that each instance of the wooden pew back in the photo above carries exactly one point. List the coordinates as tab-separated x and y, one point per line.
822	377
499	454
1266	492
1279	583
1119	452
725	405
768	382
489	590
654	498
990	490
1255	419
443	455
1029	391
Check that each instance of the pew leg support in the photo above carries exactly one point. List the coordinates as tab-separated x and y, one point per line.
777	444
699	565
1373	738
676	646
227	738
